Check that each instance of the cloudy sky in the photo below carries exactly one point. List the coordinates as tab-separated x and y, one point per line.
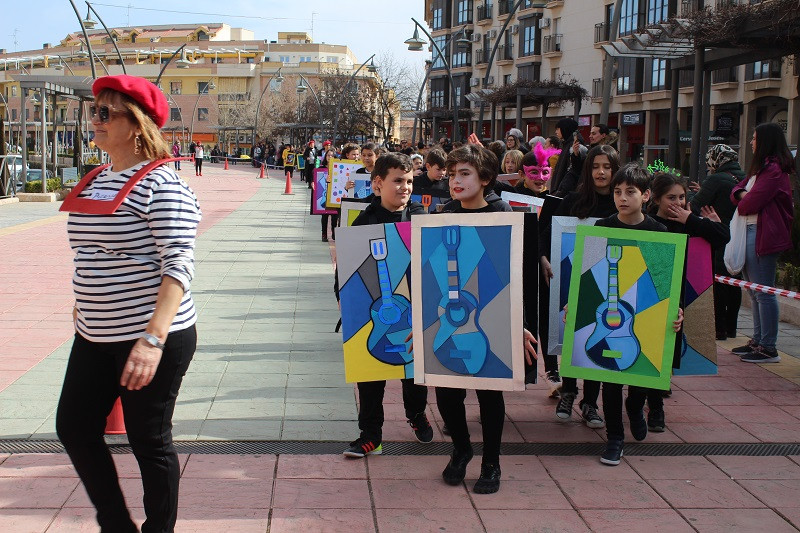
367	27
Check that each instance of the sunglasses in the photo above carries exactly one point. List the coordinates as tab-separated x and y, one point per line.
104	112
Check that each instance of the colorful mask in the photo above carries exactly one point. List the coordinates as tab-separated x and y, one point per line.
541	171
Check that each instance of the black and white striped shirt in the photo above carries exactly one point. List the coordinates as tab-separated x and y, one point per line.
121	258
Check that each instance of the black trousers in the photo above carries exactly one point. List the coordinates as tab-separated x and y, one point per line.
91	386
550	361
493	411
591	390
613	406
198	165
334	220
727	301
370	409
290	170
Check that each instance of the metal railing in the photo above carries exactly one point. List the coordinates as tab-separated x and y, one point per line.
551	43
597	88
505	52
481	56
725	75
601	32
485	11
505	6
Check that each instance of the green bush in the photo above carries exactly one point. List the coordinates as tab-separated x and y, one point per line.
53	184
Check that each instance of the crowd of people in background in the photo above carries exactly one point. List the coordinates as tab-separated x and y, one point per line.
592	181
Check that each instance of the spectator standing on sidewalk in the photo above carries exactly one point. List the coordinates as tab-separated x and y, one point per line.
134	315
176	152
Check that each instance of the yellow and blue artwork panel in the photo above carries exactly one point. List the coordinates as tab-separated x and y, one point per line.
375	294
467	289
624	295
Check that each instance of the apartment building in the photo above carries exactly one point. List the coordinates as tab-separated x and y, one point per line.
212	85
548	39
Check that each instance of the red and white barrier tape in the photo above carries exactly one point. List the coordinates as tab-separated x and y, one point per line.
756	287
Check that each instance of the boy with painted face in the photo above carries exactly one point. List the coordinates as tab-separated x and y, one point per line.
535	172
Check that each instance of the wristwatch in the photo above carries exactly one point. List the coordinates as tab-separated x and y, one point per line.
152	340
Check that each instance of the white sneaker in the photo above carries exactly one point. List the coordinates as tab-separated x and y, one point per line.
554	382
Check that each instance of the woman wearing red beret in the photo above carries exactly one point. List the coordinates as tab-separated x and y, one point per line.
134	314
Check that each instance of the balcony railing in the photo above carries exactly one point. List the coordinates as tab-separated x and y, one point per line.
485	12
600	32
688	7
725	75
481	56
551	43
597	88
505	52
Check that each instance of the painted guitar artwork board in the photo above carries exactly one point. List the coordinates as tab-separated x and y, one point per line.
624	294
340	171
430	198
467	287
374	263
562	248
319	191
699	349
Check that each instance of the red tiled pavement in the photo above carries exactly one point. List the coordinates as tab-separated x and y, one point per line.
36	294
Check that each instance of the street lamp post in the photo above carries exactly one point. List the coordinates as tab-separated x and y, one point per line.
370	68
209	87
180	115
85	36
491	60
415	44
305	85
164	67
277	77
111	38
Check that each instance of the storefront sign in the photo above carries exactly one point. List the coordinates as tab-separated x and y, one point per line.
725	124
632	119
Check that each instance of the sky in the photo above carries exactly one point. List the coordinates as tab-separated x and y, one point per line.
367	28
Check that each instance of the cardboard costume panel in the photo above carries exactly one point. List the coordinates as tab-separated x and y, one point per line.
374	267
340	171
430	198
698	348
623	298
319	190
562	248
349	211
467	293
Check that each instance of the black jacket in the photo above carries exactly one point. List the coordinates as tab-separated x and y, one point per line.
495	205
715	191
377	214
424	182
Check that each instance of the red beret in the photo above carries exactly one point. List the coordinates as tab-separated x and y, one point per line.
143	92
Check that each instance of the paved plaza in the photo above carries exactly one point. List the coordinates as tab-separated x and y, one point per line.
268	370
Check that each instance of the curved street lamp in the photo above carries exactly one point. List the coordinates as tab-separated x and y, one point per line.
277	77
180	115
415	44
370	68
302	88
85	35
110	37
164	67
210	86
61	64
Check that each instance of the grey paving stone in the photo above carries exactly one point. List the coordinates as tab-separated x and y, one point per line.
320	394
321	411
26	409
238	429
249	409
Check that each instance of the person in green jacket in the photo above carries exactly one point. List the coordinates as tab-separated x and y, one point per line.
724	173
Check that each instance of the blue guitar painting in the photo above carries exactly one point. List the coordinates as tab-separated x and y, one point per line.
391	315
460	344
613	344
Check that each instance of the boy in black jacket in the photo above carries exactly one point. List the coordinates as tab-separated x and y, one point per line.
433	177
631	188
392	180
472	172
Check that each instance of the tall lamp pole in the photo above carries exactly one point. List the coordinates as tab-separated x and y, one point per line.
277	77
110	37
210	86
491	60
85	36
428	64
608	68
305	85
415	44
164	67
370	68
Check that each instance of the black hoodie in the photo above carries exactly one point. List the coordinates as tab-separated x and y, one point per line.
495	205
375	213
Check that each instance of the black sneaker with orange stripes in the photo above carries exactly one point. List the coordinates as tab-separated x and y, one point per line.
362	447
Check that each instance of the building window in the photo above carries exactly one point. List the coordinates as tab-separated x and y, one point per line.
202	36
657	11
174	113
75	114
284	59
202	87
465	12
529	72
13	90
528	46
249	59
628	80
462	59
202	114
658	79
629	22
14	114
439	92
332	60
507	79
761	70
175	87
438	61
437	18
554	73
